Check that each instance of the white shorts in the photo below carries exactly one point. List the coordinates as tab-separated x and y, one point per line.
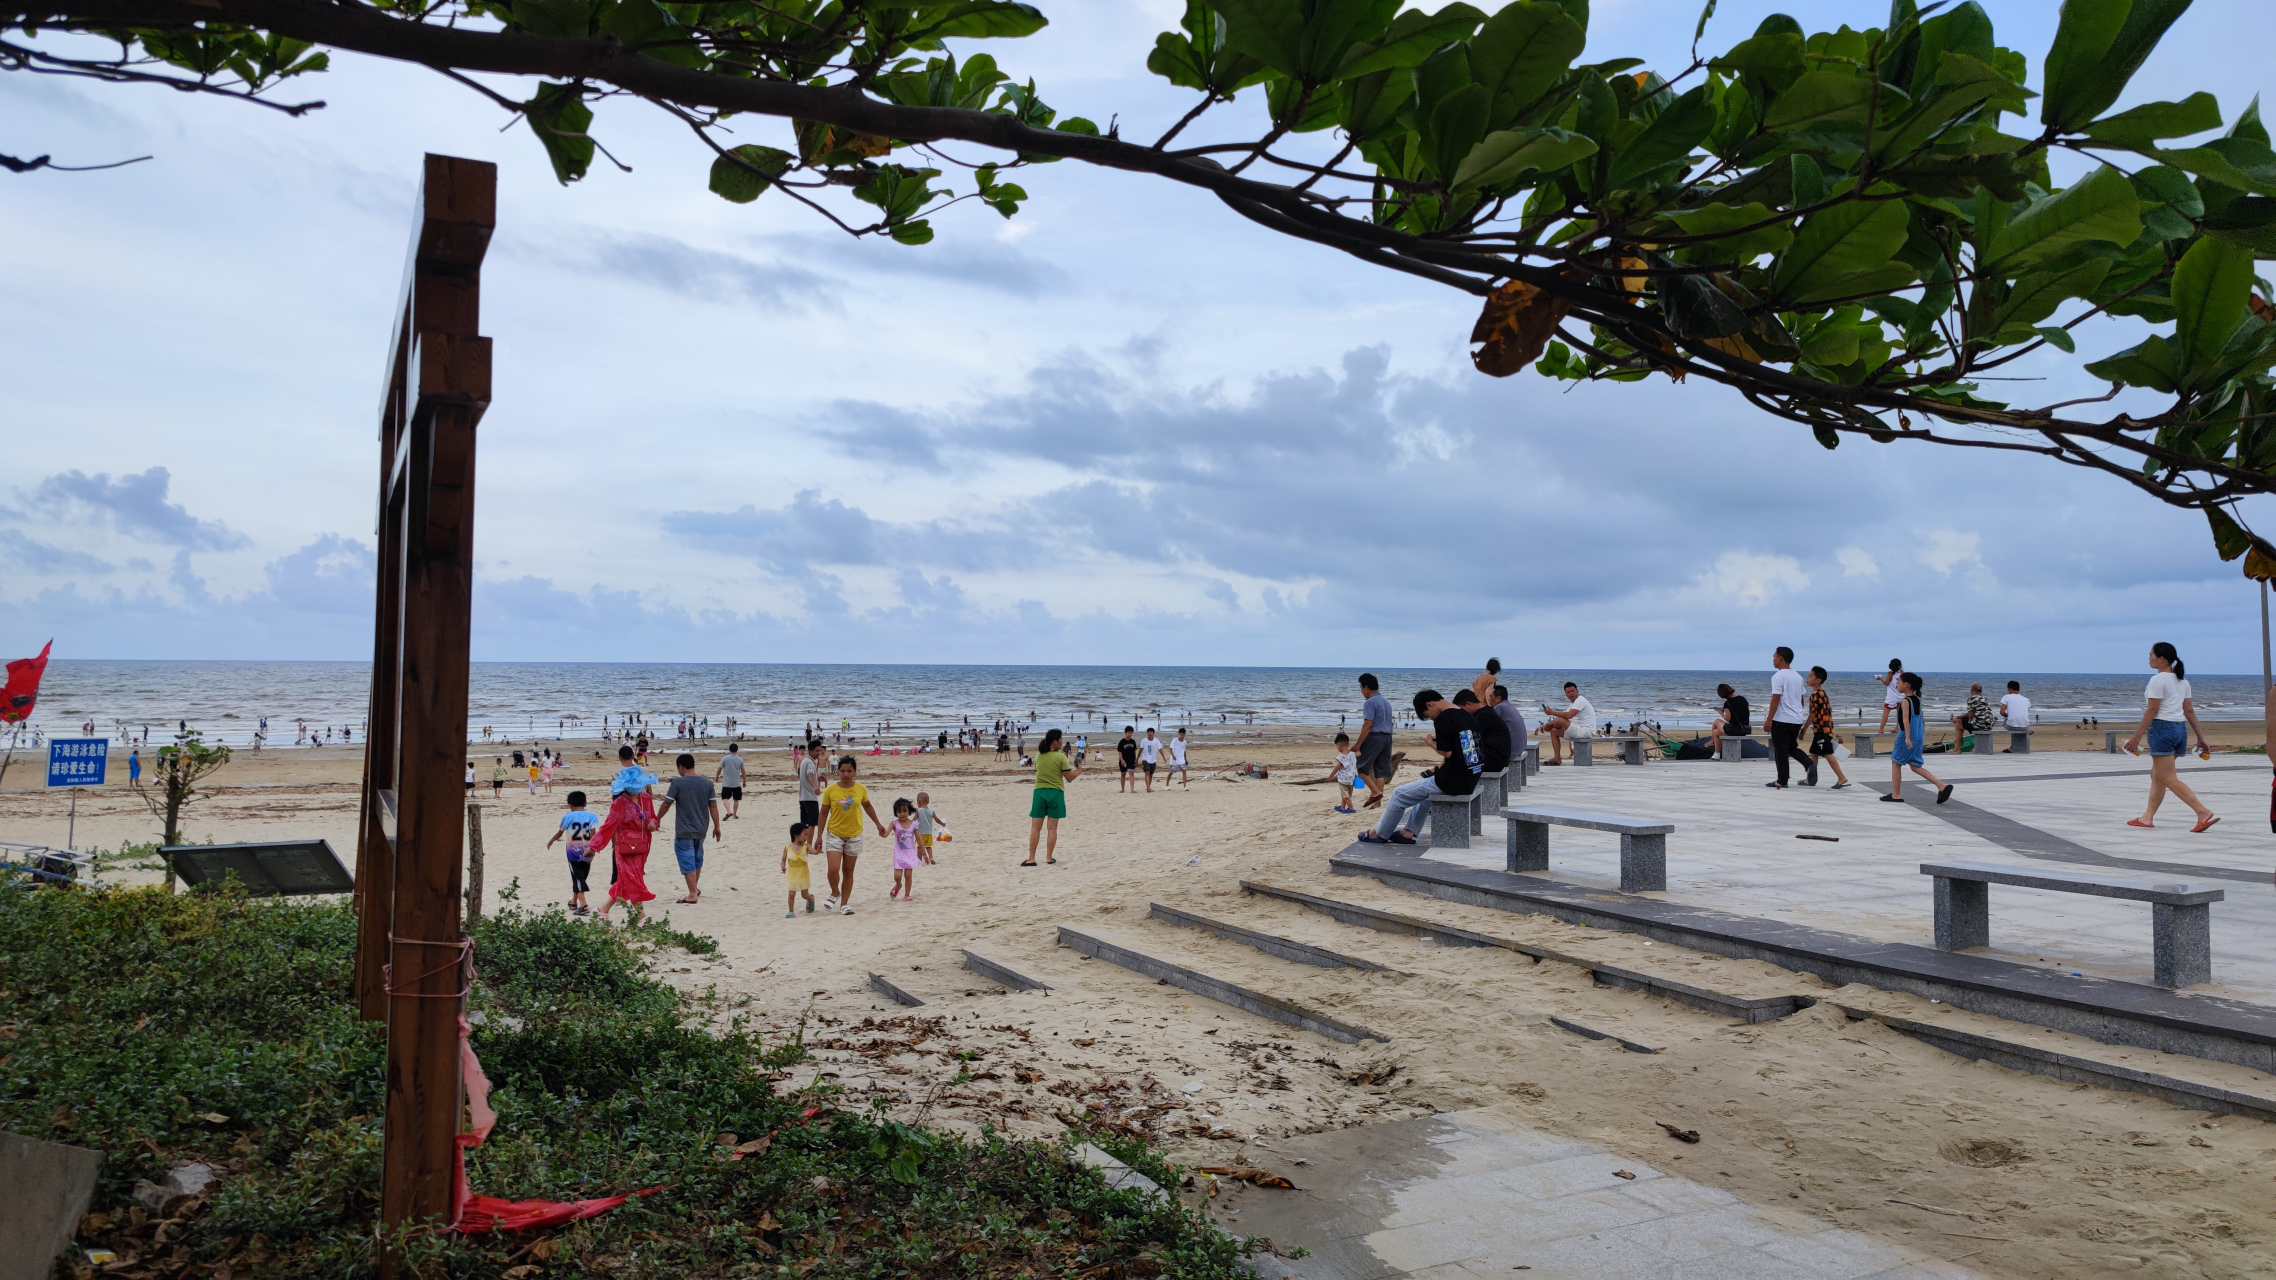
850	846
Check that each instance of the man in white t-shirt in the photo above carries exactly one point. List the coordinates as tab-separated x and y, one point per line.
1577	720
2015	707
1789	710
1177	760
1149	752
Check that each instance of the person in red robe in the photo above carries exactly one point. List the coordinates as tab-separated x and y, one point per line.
627	833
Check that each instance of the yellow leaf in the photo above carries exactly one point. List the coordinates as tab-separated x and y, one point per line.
1514	327
2259	564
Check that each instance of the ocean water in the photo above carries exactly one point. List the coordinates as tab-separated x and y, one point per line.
518	700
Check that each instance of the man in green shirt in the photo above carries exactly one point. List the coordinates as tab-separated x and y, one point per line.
1052	772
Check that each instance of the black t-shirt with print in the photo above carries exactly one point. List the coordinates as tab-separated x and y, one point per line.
1129	749
1493	741
1457	733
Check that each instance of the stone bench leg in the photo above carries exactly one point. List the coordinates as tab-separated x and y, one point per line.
1584	750
2110	740
1632	752
1963	914
1528	845
1532	758
1861	745
1643	864
2181	942
1734	750
1477	815
1513	779
2019	744
1449	825
1493	793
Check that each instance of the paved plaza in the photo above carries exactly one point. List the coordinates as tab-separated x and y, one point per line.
1735	849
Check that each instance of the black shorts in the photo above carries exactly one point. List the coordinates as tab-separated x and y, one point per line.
730	793
809	811
1127	766
1375	755
1149	768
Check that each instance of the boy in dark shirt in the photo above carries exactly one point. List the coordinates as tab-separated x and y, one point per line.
1493	733
1127	749
1455	735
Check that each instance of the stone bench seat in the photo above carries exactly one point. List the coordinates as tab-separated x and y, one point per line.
1454	819
1495	788
1631	747
2181	916
1643	843
2018	740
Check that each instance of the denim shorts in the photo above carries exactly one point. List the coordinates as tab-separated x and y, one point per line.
690	854
2169	737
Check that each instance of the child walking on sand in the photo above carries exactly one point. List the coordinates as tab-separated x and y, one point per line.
1908	752
1347	772
904	832
795	869
927	827
578	825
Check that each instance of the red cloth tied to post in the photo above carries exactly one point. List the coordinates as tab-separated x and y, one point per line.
475	1215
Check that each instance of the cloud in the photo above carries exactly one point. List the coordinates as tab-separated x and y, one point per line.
678	267
1857	562
136	504
1945	549
39	557
960	260
1753	579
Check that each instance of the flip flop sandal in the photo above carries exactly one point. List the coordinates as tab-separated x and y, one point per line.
2206	824
2137	822
1369	837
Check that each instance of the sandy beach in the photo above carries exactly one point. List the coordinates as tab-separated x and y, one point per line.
1847	1121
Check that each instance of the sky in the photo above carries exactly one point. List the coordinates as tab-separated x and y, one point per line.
1126	426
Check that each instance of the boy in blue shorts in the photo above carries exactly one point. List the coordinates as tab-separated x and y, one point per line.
578	825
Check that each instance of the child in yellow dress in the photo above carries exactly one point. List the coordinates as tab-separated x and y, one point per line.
794	866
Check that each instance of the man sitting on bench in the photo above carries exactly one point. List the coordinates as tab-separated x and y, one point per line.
1456	739
1493	733
1576	721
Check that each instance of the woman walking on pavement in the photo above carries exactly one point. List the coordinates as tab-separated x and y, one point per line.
2168	719
1911	739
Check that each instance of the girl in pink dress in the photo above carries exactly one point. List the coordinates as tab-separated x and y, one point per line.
904	831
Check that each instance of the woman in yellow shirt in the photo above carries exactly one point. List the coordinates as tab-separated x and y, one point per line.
843	803
1052	771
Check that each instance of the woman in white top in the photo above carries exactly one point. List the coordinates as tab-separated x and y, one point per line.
2168	720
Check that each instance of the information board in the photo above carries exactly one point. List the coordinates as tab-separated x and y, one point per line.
78	762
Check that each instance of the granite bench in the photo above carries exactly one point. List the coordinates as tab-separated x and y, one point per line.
1643	843
1493	789
1532	759
1631	747
2019	740
1454	819
1734	746
2181	915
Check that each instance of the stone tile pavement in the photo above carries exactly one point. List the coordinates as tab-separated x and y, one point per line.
1734	849
1476	1193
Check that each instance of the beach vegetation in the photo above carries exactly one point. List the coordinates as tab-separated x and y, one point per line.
175	775
211	1027
1861	231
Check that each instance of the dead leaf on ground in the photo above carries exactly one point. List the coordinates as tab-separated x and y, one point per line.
1624	1174
1252	1176
1680	1135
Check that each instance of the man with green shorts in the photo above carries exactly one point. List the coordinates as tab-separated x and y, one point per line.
1052	772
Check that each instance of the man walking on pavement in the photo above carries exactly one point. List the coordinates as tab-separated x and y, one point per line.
1789	711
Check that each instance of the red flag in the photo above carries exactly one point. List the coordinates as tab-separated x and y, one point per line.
23	688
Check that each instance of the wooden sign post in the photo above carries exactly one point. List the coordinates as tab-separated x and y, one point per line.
411	961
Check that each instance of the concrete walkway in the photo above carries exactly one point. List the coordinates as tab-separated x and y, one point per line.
1734	849
1476	1193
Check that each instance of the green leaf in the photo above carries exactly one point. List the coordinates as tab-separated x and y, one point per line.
1457	125
559	117
1962	85
1306	41
2229	537
2170	202
2060	339
1809	181
2145	124
1831	91
2150	363
2035	296
2210	286
2099	44
1521	53
918	232
1510	153
1411	37
1368	107
1667	142
1776	57
1844	250
2100	206
982	19
2235	161
1826	435
1199	58
1710	219
2249	221
737	182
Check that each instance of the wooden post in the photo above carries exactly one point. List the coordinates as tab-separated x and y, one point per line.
473	862
411	966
